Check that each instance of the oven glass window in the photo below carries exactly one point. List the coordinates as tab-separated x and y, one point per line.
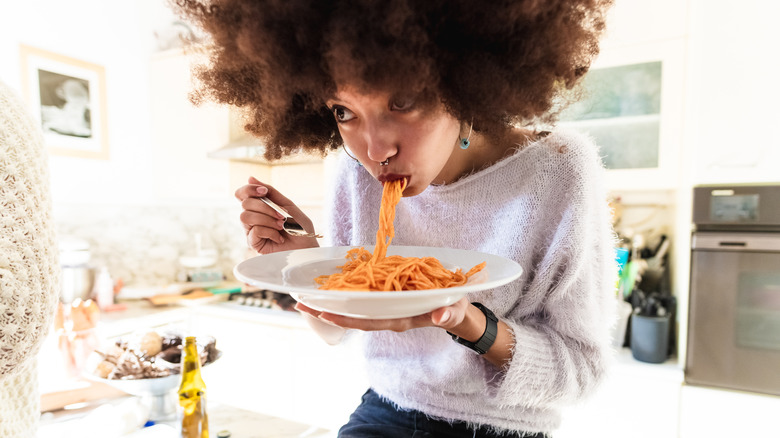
758	310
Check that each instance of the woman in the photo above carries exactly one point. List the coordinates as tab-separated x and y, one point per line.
446	95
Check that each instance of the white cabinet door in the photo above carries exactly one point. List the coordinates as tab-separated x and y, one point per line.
183	134
284	370
734	107
626	406
708	412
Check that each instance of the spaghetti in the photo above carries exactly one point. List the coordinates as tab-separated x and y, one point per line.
378	272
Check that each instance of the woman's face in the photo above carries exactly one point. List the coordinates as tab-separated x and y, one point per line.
418	143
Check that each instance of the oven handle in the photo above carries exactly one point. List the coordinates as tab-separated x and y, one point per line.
725	241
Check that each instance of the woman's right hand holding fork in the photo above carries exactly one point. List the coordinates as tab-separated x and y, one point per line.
264	226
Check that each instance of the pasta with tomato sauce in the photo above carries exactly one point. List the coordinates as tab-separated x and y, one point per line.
365	271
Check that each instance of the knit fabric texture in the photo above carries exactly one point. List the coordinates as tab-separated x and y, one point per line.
545	207
29	268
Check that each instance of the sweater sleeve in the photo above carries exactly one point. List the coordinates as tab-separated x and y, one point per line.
561	322
29	269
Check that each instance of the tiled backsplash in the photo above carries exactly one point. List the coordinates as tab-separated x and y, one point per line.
142	244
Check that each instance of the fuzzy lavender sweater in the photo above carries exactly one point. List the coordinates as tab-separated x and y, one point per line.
545	207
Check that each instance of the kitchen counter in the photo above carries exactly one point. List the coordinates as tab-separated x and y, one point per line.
669	371
96	421
274	353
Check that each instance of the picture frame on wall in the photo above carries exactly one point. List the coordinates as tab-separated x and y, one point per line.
68	98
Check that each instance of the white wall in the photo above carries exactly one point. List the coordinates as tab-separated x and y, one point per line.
118	36
158	187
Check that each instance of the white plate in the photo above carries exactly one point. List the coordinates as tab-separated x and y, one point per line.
293	272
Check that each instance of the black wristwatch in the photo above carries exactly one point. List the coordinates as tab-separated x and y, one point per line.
484	343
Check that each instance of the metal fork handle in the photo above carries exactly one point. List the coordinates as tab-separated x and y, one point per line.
291	226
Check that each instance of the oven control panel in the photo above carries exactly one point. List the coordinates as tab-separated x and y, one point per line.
735	208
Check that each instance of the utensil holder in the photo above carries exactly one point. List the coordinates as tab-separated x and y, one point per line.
650	338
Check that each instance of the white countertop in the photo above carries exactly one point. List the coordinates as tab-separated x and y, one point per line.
118	419
246	423
625	364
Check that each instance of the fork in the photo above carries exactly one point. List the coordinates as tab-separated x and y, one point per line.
291	226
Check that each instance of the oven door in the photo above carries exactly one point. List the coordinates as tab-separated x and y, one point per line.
734	312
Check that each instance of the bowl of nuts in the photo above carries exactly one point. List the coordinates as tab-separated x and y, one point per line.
147	364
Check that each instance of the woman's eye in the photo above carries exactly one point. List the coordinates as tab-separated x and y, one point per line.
342	114
402	104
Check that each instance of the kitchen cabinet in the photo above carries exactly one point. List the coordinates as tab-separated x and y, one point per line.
634	111
275	364
734	108
707	412
183	134
637	400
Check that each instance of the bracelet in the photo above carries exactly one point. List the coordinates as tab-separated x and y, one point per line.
488	337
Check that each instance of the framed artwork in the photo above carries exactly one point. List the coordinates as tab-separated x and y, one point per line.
68	97
632	106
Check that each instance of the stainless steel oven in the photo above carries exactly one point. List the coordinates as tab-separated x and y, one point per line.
734	309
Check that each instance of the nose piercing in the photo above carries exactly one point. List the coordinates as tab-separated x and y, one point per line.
385	163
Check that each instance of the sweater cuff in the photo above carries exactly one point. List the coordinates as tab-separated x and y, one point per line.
535	375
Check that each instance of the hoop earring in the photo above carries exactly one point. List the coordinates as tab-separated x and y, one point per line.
350	155
464	142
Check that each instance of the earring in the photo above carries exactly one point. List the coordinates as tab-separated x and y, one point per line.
350	155
464	142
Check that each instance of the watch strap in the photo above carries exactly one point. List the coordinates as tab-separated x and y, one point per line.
483	344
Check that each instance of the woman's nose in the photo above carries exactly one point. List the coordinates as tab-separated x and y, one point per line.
381	141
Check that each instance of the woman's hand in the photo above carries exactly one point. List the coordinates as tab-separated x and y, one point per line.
448	318
461	319
264	226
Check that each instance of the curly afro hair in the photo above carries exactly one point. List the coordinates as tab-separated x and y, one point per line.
496	64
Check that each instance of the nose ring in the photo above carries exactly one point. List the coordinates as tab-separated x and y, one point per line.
385	163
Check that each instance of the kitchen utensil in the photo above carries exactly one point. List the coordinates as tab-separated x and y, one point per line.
291	226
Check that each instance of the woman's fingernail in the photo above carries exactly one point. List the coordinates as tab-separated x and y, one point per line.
262	191
445	316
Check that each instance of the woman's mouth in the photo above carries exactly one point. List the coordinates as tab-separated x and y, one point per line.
387	177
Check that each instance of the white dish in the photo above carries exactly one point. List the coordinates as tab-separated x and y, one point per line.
293	272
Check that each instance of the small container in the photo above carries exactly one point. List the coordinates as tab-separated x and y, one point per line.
104	289
650	338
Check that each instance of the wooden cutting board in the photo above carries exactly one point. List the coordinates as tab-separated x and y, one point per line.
81	391
168	299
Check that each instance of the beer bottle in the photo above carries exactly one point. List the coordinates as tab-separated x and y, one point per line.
192	393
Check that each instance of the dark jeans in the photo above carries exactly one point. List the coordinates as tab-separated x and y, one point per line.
378	418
